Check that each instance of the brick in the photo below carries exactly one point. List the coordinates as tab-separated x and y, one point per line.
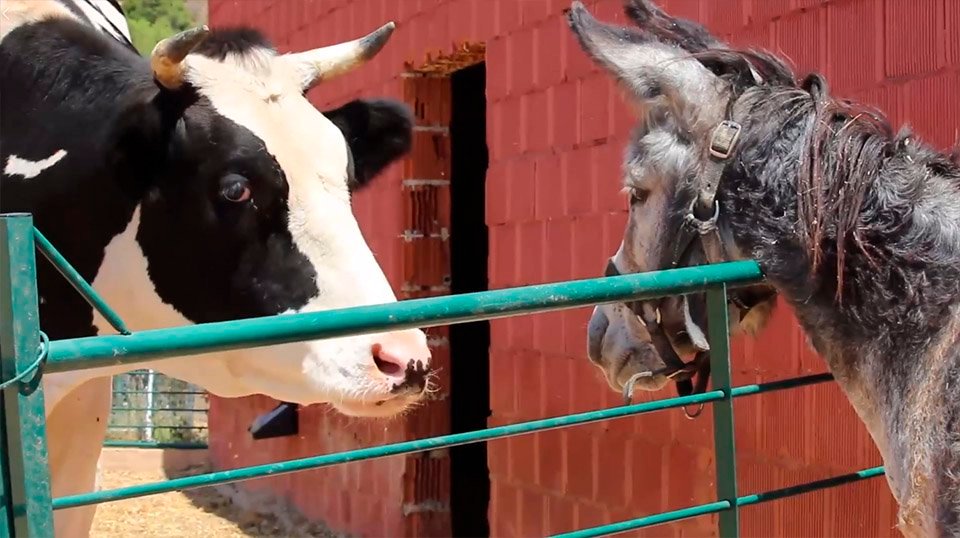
694	433
580	463
594	107
611	475
588	386
550	460
522	68
528	374
938	125
885	99
854	44
587	243
556	375
566	123
524	327
462	22
686	9
689	469
523	458
578	187
531	250
536	126
759	35
723	17
549	187
591	515
510	17
912	37
561	515
521	189
484	15
575	332
622	118
952	14
549	64
558	261
614	224
503	246
508	510
782	437
532	513
439	28
800	37
647	476
607	173
576	63
503	384
496	191
533	11
549	332
825	442
498	69
510	119
770	9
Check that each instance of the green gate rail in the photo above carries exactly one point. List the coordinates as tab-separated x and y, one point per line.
152	410
28	507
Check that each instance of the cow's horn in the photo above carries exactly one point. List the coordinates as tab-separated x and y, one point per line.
169	53
328	62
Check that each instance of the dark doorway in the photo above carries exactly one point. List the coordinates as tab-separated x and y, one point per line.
469	342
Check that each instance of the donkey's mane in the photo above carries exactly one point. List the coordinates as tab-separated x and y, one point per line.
875	210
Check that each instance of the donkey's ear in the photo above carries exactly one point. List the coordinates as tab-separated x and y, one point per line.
683	33
651	69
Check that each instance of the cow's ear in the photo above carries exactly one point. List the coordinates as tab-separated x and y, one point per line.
147	123
378	133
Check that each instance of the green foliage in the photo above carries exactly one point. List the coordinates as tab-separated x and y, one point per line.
152	20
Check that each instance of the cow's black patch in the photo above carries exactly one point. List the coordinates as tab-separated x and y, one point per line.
215	259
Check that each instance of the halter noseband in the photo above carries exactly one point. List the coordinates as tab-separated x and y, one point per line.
700	221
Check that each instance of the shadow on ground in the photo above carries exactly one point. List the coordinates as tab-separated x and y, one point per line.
256	514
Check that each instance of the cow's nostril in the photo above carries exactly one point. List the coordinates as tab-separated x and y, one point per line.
386	363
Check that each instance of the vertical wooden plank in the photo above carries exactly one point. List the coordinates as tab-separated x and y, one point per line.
26	479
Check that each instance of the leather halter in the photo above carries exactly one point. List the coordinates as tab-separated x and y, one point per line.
700	221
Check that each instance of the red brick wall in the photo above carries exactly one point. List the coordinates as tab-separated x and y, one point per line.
556	131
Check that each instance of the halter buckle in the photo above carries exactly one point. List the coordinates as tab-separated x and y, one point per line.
724	139
703	227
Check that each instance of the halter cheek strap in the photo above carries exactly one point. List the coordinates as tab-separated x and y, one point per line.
700	221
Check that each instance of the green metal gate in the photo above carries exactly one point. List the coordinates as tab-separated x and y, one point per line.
151	410
26	355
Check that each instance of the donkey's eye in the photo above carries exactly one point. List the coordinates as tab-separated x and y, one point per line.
235	188
638	196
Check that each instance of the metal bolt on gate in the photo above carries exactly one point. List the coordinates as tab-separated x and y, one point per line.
26	355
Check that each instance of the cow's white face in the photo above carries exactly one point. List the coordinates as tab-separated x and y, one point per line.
248	214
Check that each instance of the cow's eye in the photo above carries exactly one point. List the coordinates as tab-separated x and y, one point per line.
235	188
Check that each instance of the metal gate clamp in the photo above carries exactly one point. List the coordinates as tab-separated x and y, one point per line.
36	369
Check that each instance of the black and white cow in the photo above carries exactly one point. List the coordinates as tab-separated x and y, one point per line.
197	185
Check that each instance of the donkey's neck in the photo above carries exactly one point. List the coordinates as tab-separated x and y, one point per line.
864	243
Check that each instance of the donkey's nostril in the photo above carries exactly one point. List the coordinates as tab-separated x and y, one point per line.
386	363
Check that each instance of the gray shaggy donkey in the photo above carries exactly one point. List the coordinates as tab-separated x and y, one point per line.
856	226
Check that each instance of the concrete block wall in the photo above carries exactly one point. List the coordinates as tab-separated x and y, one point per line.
557	127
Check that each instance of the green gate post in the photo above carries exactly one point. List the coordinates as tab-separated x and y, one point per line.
27	507
723	432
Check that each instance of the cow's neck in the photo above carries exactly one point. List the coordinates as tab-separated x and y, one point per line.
86	202
893	343
68	83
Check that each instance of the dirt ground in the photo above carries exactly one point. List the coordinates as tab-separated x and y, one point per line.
217	511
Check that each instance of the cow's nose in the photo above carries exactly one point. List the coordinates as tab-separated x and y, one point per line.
404	358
